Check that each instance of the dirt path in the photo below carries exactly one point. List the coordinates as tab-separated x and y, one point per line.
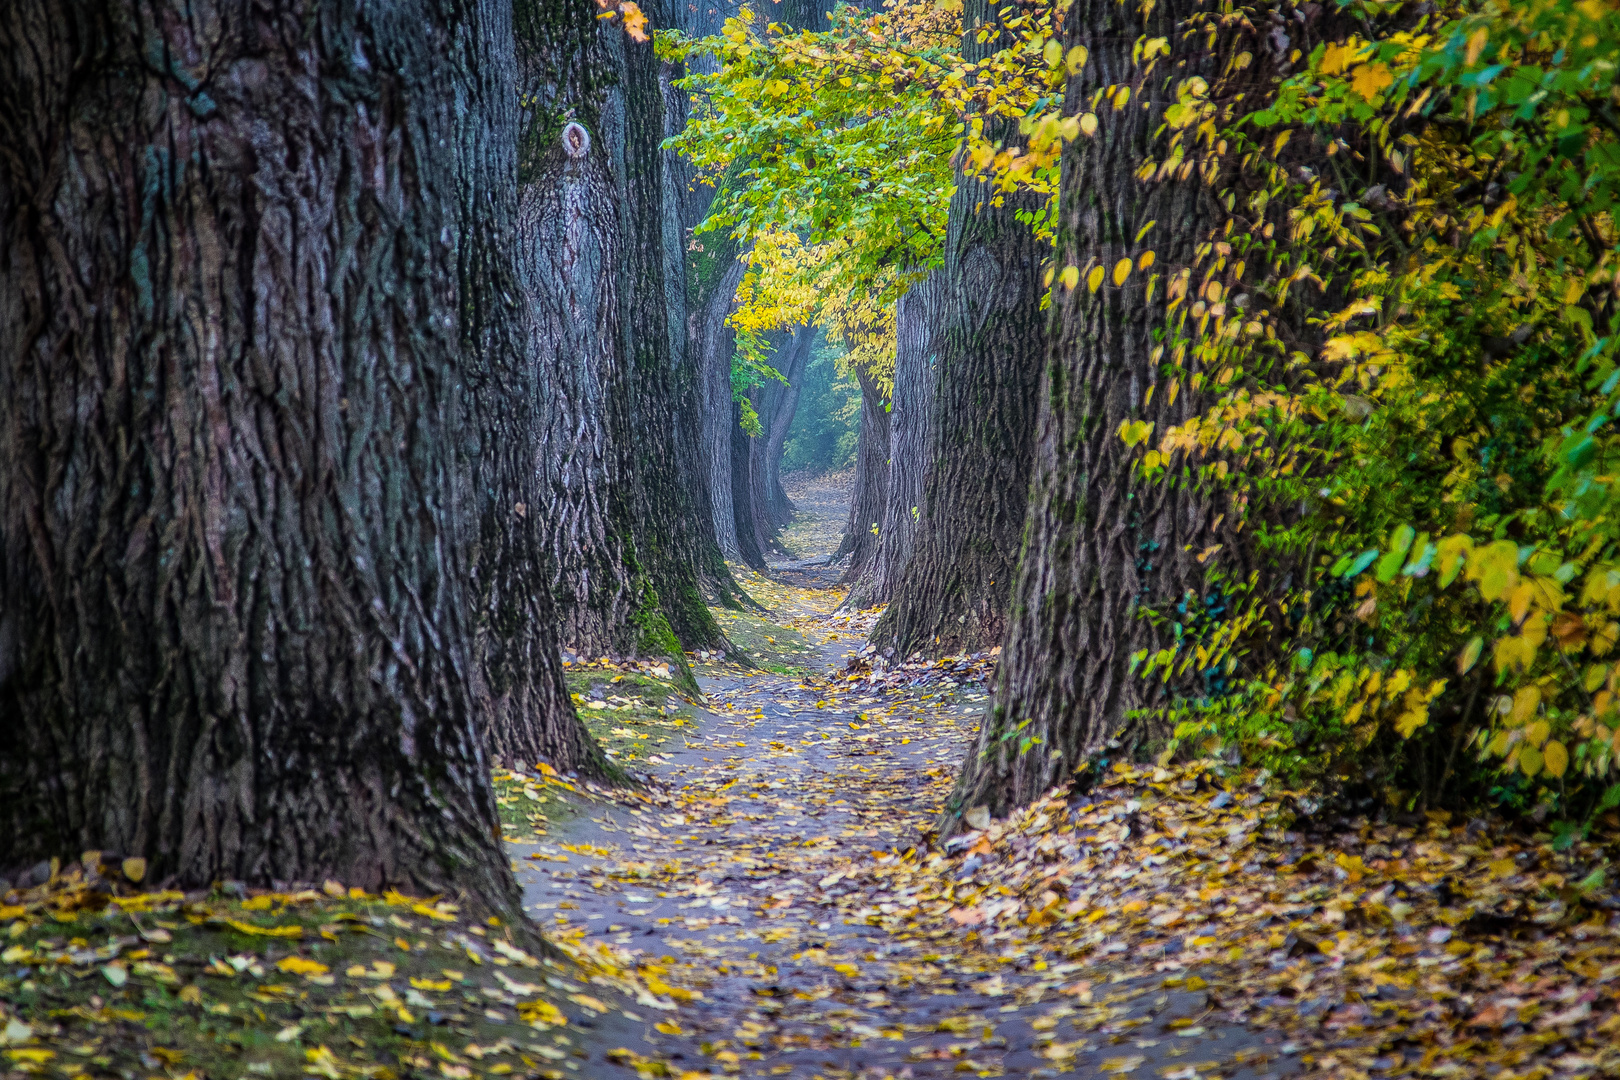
735	882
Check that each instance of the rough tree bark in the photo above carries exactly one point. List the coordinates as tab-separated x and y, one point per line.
670	543
233	630
1100	542
869	498
568	241
916	319
953	594
528	713
622	534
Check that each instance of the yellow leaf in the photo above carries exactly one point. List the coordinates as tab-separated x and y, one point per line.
1409	721
265	931
1369	79
1503	868
298	965
1122	270
134	869
1519	601
1524	705
1555	758
1094	279
1088	124
1145	260
1077	59
1337	57
669	1027
847	970
1530	761
439	985
1070	277
432	913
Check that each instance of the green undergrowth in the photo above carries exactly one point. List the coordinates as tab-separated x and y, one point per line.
330	983
769	645
636	711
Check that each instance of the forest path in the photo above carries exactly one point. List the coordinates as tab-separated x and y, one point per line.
738	880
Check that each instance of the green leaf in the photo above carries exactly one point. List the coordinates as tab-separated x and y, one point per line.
1363	561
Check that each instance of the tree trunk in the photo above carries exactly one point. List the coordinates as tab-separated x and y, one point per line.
569	237
869	498
233	630
916	319
782	403
751	541
713	343
953	594
624	556
524	698
1101	542
568	246
670	544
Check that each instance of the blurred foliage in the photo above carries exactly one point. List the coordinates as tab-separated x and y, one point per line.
826	425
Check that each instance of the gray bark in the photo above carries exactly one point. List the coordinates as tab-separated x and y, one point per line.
916	366
953	595
1102	543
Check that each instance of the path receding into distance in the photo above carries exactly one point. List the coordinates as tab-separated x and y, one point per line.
733	879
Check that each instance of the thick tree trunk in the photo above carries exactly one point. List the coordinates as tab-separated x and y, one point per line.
670	543
953	594
569	237
869	498
1101	543
916	320
233	630
622	529
527	708
568	248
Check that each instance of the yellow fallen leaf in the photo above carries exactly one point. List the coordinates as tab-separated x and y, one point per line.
298	965
439	985
541	1012
264	931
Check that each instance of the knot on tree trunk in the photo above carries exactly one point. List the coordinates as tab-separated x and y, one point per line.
576	140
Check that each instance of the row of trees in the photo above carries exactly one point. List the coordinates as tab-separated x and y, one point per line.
351	356
352	363
1327	303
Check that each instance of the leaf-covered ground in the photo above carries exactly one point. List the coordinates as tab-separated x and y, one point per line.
100	979
774	904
